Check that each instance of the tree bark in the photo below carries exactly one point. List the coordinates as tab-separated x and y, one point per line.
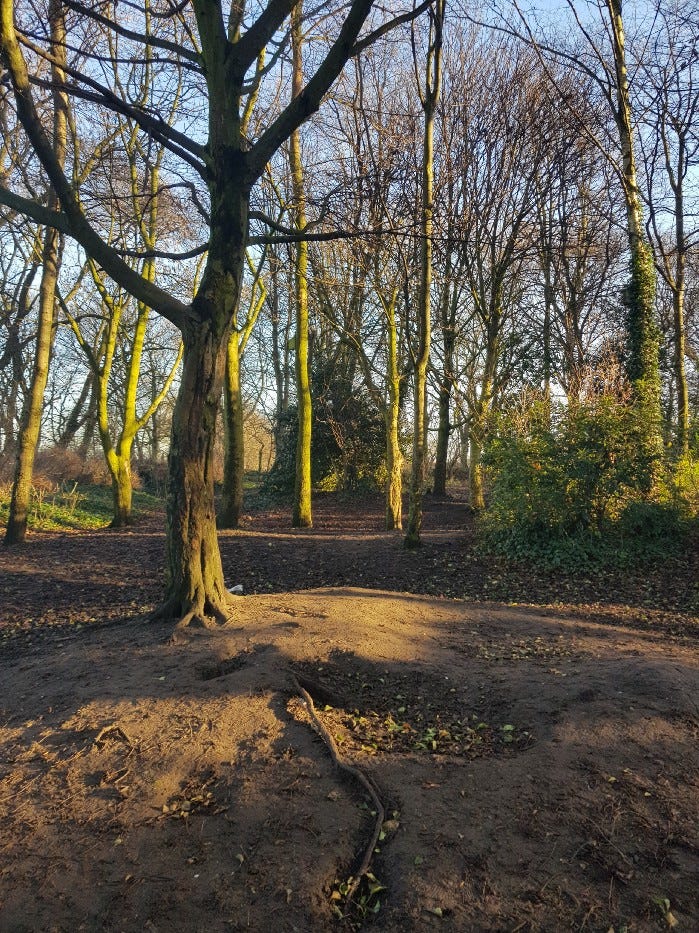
302	514
196	591
449	303
78	413
475	468
122	492
481	410
51	261
30	428
643	335
394	457
234	460
430	97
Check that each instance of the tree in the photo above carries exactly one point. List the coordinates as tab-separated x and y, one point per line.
602	57
502	147
233	411
302	514
146	214
50	267
361	284
429	96
670	149
217	50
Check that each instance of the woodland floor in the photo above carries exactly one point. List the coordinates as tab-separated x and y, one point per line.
534	737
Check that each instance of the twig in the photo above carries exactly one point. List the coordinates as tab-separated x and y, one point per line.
112	732
358	775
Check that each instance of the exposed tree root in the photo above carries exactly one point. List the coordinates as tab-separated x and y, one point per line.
358	775
192	614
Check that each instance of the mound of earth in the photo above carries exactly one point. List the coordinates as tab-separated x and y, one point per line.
536	772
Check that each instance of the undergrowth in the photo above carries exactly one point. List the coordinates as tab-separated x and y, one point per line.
73	507
568	488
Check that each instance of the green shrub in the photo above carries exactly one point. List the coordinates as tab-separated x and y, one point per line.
568	487
347	442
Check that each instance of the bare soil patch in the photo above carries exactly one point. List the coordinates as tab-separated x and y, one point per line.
538	763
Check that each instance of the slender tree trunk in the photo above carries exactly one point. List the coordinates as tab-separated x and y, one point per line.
394	457
479	417
430	96
234	462
680	372
475	467
445	386
118	460
678	294
546	334
76	418
302	516
51	260
31	416
443	432
89	426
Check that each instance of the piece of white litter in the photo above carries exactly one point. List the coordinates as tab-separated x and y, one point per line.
236	590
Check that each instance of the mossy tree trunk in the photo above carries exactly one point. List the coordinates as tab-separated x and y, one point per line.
643	333
233	409
30	427
195	588
302	513
234	428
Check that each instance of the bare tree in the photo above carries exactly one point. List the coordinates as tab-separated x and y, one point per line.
669	142
217	49
429	85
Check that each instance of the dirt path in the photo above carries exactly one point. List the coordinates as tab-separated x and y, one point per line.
539	770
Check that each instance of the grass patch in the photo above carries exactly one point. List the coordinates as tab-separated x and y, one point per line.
74	507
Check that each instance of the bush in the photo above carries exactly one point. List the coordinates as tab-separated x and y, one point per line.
152	476
55	465
569	487
347	442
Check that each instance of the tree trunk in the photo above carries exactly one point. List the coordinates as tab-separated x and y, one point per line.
195	589
76	418
475	468
51	261
30	428
677	286
302	516
394	457
448	315
681	373
234	462
481	411
89	426
643	335
430	96
122	492
439	481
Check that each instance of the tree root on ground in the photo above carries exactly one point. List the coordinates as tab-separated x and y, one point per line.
358	775
193	614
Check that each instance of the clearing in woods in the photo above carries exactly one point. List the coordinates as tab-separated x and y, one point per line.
533	738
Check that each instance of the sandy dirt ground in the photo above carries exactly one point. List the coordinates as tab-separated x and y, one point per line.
538	769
